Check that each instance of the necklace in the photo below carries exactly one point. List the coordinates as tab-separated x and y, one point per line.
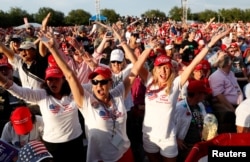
155	90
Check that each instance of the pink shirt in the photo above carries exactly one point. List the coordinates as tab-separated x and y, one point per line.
226	84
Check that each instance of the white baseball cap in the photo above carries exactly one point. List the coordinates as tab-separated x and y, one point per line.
117	55
27	45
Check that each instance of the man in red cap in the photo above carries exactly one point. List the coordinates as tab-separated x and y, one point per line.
189	117
22	127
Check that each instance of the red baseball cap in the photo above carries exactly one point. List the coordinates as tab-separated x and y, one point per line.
234	45
51	61
198	67
162	60
4	62
101	70
53	72
206	65
198	86
21	120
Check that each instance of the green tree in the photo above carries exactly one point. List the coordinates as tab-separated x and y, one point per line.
204	16
56	19
78	17
111	15
16	15
155	13
175	13
5	22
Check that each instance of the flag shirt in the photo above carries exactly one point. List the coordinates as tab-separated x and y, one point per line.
60	117
103	123
159	110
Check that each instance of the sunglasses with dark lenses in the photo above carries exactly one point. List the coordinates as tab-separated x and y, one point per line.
102	82
118	62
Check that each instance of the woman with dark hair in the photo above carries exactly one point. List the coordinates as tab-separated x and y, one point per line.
62	130
103	108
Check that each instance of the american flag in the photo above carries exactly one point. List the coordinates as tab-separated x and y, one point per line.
151	95
54	108
34	151
104	114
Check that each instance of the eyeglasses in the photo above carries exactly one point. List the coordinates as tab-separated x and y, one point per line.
118	62
102	82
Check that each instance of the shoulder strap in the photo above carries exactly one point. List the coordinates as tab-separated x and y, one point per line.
31	75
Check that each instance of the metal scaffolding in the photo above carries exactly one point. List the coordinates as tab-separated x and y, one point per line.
184	10
97	9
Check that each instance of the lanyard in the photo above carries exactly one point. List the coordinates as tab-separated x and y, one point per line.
20	142
111	110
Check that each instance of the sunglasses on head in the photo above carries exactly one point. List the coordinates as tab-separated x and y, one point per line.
102	82
118	62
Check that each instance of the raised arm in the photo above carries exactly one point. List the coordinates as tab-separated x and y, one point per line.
69	74
87	58
129	80
7	51
186	73
42	48
128	53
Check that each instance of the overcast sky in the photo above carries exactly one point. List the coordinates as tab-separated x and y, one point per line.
122	7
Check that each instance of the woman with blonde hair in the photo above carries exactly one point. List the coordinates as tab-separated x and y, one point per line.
163	87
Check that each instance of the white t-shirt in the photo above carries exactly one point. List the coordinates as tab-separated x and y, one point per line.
246	90
26	80
60	117
242	113
10	136
99	125
159	111
118	78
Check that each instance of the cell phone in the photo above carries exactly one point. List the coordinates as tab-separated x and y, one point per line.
109	34
44	39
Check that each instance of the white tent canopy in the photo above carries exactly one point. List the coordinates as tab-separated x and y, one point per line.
35	25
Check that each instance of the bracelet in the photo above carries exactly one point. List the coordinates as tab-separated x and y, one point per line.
148	46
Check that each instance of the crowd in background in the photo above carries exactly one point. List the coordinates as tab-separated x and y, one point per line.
159	78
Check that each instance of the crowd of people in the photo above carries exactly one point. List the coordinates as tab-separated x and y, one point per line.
124	92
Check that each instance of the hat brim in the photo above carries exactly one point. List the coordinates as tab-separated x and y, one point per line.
160	64
24	128
94	74
6	65
24	48
54	76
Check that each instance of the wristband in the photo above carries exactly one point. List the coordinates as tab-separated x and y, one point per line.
148	46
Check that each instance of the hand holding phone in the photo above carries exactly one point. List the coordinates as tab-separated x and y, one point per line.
109	34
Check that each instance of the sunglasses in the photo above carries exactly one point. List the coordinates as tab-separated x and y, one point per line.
118	62
102	82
